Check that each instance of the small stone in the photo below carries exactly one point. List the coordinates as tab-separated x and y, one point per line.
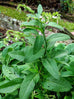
72	33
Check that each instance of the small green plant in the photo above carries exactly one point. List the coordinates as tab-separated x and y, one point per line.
42	70
13	36
26	8
51	17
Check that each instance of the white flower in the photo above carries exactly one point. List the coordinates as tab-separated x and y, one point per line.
16	38
15	20
55	17
6	36
40	16
7	44
39	33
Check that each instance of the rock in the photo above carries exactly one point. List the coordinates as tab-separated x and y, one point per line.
72	33
9	23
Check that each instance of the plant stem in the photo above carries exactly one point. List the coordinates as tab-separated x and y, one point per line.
58	95
45	43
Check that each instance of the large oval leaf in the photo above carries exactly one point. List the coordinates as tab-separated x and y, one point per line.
51	39
19	55
58	85
1	44
10	86
51	67
53	24
28	85
8	72
28	31
70	48
38	43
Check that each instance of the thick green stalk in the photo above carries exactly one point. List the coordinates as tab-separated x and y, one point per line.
45	42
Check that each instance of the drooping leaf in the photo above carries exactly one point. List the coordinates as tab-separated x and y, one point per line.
31	15
29	56
10	86
67	74
19	55
51	66
36	56
31	23
71	58
51	39
28	85
30	31
9	72
53	24
1	44
60	54
70	48
38	43
58	85
23	67
10	48
72	66
34	24
40	9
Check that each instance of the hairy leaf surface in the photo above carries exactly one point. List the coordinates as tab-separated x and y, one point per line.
28	85
51	66
58	85
10	86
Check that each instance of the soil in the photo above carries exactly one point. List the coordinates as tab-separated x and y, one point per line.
2	33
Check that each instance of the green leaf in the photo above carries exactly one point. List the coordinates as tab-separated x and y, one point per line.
31	23
23	67
9	72
31	16
14	45
28	85
3	82
1	44
40	9
19	55
29	56
72	94
29	9
71	58
10	86
72	66
67	74
36	56
38	43
51	39
70	48
51	66
58	85
53	24
0	97
67	97
30	31
34	24
60	54
10	48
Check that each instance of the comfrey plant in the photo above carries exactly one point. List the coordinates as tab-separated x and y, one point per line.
49	17
43	69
